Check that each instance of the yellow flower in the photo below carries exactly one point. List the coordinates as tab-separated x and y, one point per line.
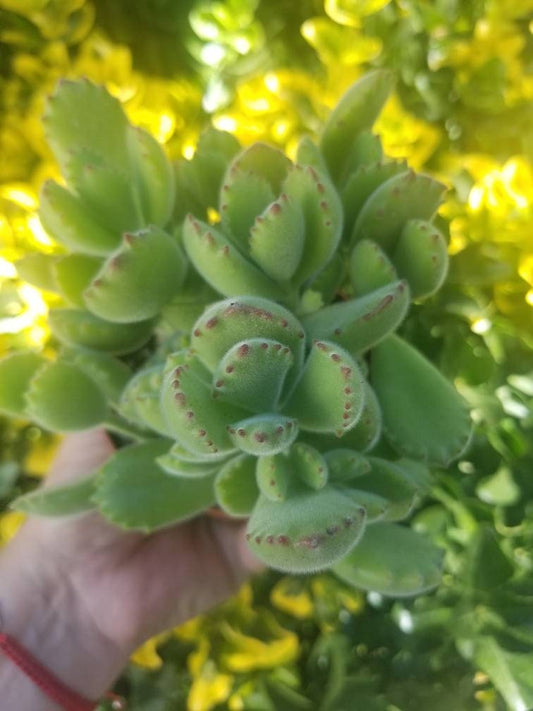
237	699
209	686
350	12
269	645
146	655
495	37
328	595
9	524
191	630
406	136
290	595
40	456
490	39
508	9
272	107
336	44
505	193
526	269
69	19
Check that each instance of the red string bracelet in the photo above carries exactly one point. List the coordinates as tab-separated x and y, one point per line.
49	684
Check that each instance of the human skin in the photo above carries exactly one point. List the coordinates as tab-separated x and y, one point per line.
82	595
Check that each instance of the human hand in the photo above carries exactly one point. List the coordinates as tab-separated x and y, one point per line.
82	594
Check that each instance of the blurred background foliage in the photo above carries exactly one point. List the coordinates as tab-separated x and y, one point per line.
463	110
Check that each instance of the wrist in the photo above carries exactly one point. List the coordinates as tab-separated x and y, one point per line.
43	613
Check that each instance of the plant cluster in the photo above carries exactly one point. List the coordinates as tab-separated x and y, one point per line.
476	329
270	404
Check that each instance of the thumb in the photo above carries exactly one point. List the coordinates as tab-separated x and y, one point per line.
79	454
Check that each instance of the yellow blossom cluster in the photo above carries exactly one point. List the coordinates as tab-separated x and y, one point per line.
242	645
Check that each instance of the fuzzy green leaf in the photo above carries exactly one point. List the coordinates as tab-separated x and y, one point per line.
200	179
356	112
196	420
278	475
76	327
153	176
366	150
186	455
360	186
276	239
389	481
263	434
307	532
16	373
309	465
107	190
376	506
71	223
244	196
261	159
403	197
228	322
252	373
138	279
369	268
308	153
73	274
140	400
392	560
273	473
222	265
110	374
175	466
39	270
368	427
329	395
363	436
252	181
63	398
325	285
133	491
82	113
75	498
421	257
423	415
236	487
345	465
360	323
321	208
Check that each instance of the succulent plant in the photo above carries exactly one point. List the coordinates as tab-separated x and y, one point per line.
291	400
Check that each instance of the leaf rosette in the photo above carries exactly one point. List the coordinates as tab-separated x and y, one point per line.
280	226
118	260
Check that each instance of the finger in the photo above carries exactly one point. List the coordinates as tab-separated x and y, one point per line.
80	453
233	541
